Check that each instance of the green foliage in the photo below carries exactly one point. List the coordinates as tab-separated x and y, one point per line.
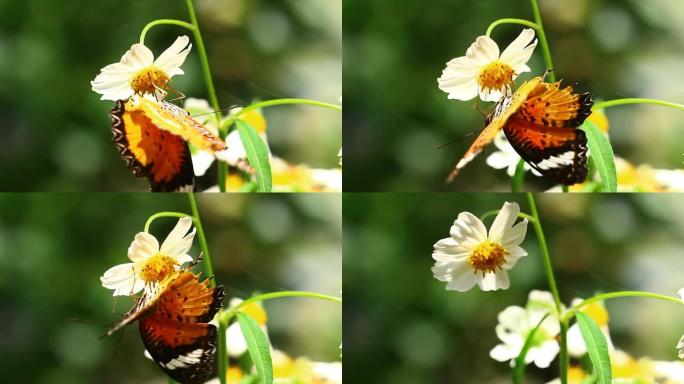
257	154
597	347
601	155
258	346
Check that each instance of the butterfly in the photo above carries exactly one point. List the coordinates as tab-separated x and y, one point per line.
540	121
152	137
174	325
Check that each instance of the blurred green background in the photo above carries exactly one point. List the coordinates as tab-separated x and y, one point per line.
396	116
56	132
402	327
54	248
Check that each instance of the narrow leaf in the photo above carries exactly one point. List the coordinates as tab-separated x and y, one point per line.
601	155
596	346
257	154
259	349
519	369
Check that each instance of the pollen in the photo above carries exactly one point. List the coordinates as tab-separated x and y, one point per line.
495	76
149	80
156	268
487	257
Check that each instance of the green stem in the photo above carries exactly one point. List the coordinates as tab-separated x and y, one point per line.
496	212
269	103
511	21
164	22
616	102
570	313
163	214
518	177
548	269
228	314
209	83
209	271
542	39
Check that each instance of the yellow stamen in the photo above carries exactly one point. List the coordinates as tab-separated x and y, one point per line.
487	257
495	76
156	268
148	80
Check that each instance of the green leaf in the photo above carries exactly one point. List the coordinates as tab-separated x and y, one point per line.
519	368
257	154
596	346
259	349
601	155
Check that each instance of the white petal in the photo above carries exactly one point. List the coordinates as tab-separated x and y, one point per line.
236	150
448	271
681	293
499	160
143	246
483	51
201	161
518	45
493	281
177	243
490	95
503	352
503	221
235	341
514	254
121	278
544	355
680	347
462	283
174	56
468	230
449	250
464	92
138	57
576	345
515	235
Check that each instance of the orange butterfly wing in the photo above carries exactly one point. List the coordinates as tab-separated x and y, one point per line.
177	334
151	152
495	122
174	326
544	132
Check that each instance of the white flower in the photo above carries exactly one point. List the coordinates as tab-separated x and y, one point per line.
150	263
483	71
506	157
470	256
515	324
680	344
139	73
597	312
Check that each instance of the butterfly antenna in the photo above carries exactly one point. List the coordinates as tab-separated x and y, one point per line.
181	95
118	343
546	73
219	110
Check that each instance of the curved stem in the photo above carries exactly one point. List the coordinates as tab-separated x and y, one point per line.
226	315
496	212
163	214
518	177
636	100
548	269
570	313
209	83
511	21
270	103
546	51
164	22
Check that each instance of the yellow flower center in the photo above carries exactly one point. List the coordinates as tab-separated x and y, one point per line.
156	268
256	312
148	80
495	75
487	257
